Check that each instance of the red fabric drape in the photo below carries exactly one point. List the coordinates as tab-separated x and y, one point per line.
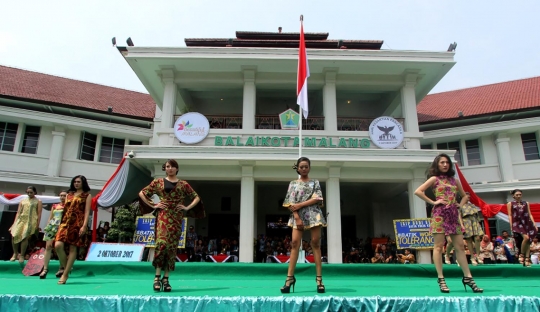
490	210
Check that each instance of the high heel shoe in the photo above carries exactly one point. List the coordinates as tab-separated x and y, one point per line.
480	260
527	262
60	272
43	274
157	283
469	281
320	287
287	288
165	283
473	260
442	285
14	257
447	259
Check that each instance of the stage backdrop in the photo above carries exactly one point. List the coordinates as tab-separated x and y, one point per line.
413	234
144	234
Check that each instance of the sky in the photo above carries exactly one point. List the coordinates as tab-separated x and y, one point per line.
497	41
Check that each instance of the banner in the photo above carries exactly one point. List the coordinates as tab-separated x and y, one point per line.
114	252
145	232
413	234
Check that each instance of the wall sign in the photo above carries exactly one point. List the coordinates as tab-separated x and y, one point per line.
287	141
191	128
114	252
386	132
413	233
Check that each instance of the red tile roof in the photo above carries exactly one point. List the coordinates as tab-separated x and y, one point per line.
32	86
484	100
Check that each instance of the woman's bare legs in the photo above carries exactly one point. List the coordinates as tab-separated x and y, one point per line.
459	251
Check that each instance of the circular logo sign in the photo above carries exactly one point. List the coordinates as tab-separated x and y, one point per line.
191	128
386	132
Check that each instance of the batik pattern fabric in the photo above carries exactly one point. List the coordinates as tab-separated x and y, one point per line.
73	220
27	220
521	220
299	192
445	217
471	216
51	229
169	220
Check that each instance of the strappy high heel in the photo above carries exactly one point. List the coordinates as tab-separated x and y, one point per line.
447	259
474	260
469	281
60	272
43	274
442	285
165	283
527	262
320	287
287	288
157	283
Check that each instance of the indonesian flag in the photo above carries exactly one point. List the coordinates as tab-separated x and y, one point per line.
303	74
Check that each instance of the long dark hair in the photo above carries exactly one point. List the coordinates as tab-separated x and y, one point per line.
301	159
434	168
85	186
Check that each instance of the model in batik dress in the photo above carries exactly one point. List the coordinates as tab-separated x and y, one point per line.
446	219
173	195
55	218
72	230
522	222
471	216
304	200
26	223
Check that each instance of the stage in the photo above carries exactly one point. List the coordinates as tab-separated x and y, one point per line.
202	286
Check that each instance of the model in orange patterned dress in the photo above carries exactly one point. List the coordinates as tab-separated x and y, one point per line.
172	193
74	224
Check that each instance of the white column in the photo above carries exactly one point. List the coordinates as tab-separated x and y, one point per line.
249	99
97	151
417	208
247	214
505	158
17	145
408	106
329	101
169	104
57	151
333	207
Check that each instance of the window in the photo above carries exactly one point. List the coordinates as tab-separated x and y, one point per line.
131	142
88	146
425	146
530	146
112	150
452	146
31	139
8	132
473	152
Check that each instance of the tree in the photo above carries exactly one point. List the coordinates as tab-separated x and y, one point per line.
123	226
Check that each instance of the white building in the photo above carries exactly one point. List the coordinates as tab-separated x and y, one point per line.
241	86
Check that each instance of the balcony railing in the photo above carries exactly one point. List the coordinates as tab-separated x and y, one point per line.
272	122
357	124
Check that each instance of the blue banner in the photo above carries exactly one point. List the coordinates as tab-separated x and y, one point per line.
413	234
145	232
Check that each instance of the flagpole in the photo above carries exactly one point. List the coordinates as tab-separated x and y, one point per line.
300	134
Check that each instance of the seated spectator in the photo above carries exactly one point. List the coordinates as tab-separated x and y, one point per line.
407	258
385	253
234	248
199	251
500	253
511	247
486	251
535	250
378	258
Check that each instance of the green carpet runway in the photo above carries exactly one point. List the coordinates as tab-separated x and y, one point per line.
113	286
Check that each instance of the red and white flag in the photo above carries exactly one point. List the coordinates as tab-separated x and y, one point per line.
303	74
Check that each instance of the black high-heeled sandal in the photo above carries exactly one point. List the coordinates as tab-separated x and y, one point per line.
320	287
60	272
442	285
287	288
527	262
469	281
165	282
157	283
43	274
